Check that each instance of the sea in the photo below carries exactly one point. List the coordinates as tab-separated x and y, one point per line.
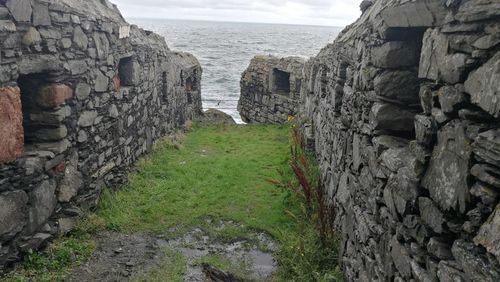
225	49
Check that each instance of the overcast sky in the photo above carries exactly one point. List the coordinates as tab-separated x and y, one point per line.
311	12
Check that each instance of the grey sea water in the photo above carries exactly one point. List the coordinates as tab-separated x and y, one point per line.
225	50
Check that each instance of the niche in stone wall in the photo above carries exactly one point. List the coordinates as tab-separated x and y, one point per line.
128	71
280	82
44	108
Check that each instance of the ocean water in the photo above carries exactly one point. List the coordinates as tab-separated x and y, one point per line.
225	50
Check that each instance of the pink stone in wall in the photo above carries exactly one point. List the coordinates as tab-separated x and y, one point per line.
11	125
53	95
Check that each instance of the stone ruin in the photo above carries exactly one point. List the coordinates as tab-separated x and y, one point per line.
404	108
270	89
83	95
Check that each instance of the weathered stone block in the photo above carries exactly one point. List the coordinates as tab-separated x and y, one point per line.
396	54
486	147
42	202
402	86
80	38
484	86
31	37
13	213
53	95
476	267
87	118
487	174
450	98
446	177
41	15
425	129
70	185
20	9
489	234
11	125
431	214
390	117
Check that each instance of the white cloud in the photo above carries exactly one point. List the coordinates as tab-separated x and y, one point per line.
313	12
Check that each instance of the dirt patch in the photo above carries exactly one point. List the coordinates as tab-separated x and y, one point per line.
121	257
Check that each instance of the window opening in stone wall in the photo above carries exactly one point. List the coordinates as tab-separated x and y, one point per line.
44	110
128	71
281	82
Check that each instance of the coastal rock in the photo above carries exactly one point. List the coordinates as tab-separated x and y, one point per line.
213	116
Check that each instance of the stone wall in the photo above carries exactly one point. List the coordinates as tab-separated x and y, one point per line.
404	112
405	106
270	89
82	96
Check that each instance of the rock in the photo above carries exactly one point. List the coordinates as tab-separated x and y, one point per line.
425	129
426	98
384	142
70	185
20	9
484	86
439	116
213	116
82	91
32	37
113	111
7	26
365	4
102	44
486	147
488	41
471	11
101	82
400	86
448	272
65	43
51	118
13	213
43	202
404	189
431	215
487	174
77	67
439	249
53	95
391	118
476	267
41	15
401	257
489	234
487	194
11	125
39	64
82	136
87	118
446	177
395	55
420	273
50	134
451	98
35	242
66	225
436	63
80	38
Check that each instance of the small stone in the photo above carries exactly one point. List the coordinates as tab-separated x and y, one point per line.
476	267
66	43
425	129
113	111
439	249
101	82
487	194
431	214
70	185
20	9
13	213
80	38
487	174
82	136
41	15
486	147
66	225
82	91
51	134
87	118
450	98
43	202
32	37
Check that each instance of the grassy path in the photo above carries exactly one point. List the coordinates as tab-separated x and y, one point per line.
211	183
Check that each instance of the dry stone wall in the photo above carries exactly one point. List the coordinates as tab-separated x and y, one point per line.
83	95
404	112
404	107
270	89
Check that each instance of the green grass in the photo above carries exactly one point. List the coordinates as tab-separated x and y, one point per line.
171	269
217	172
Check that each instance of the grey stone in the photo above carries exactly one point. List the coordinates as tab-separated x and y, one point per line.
80	38
66	43
7	26
488	41
486	147
51	134
401	257
39	63
102	44
82	136
450	98
365	4
449	272
471	11
404	189
43	202
70	185
77	67
87	118
66	225
384	142
101	82
402	86
489	235
20	9
51	118
431	214
32	37
13	213
426	98
439	116
35	242
436	63
446	177
487	194
476	267
425	129
396	54
82	91
390	117
41	15
484	86
487	174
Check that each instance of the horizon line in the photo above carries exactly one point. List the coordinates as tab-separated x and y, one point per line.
229	21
